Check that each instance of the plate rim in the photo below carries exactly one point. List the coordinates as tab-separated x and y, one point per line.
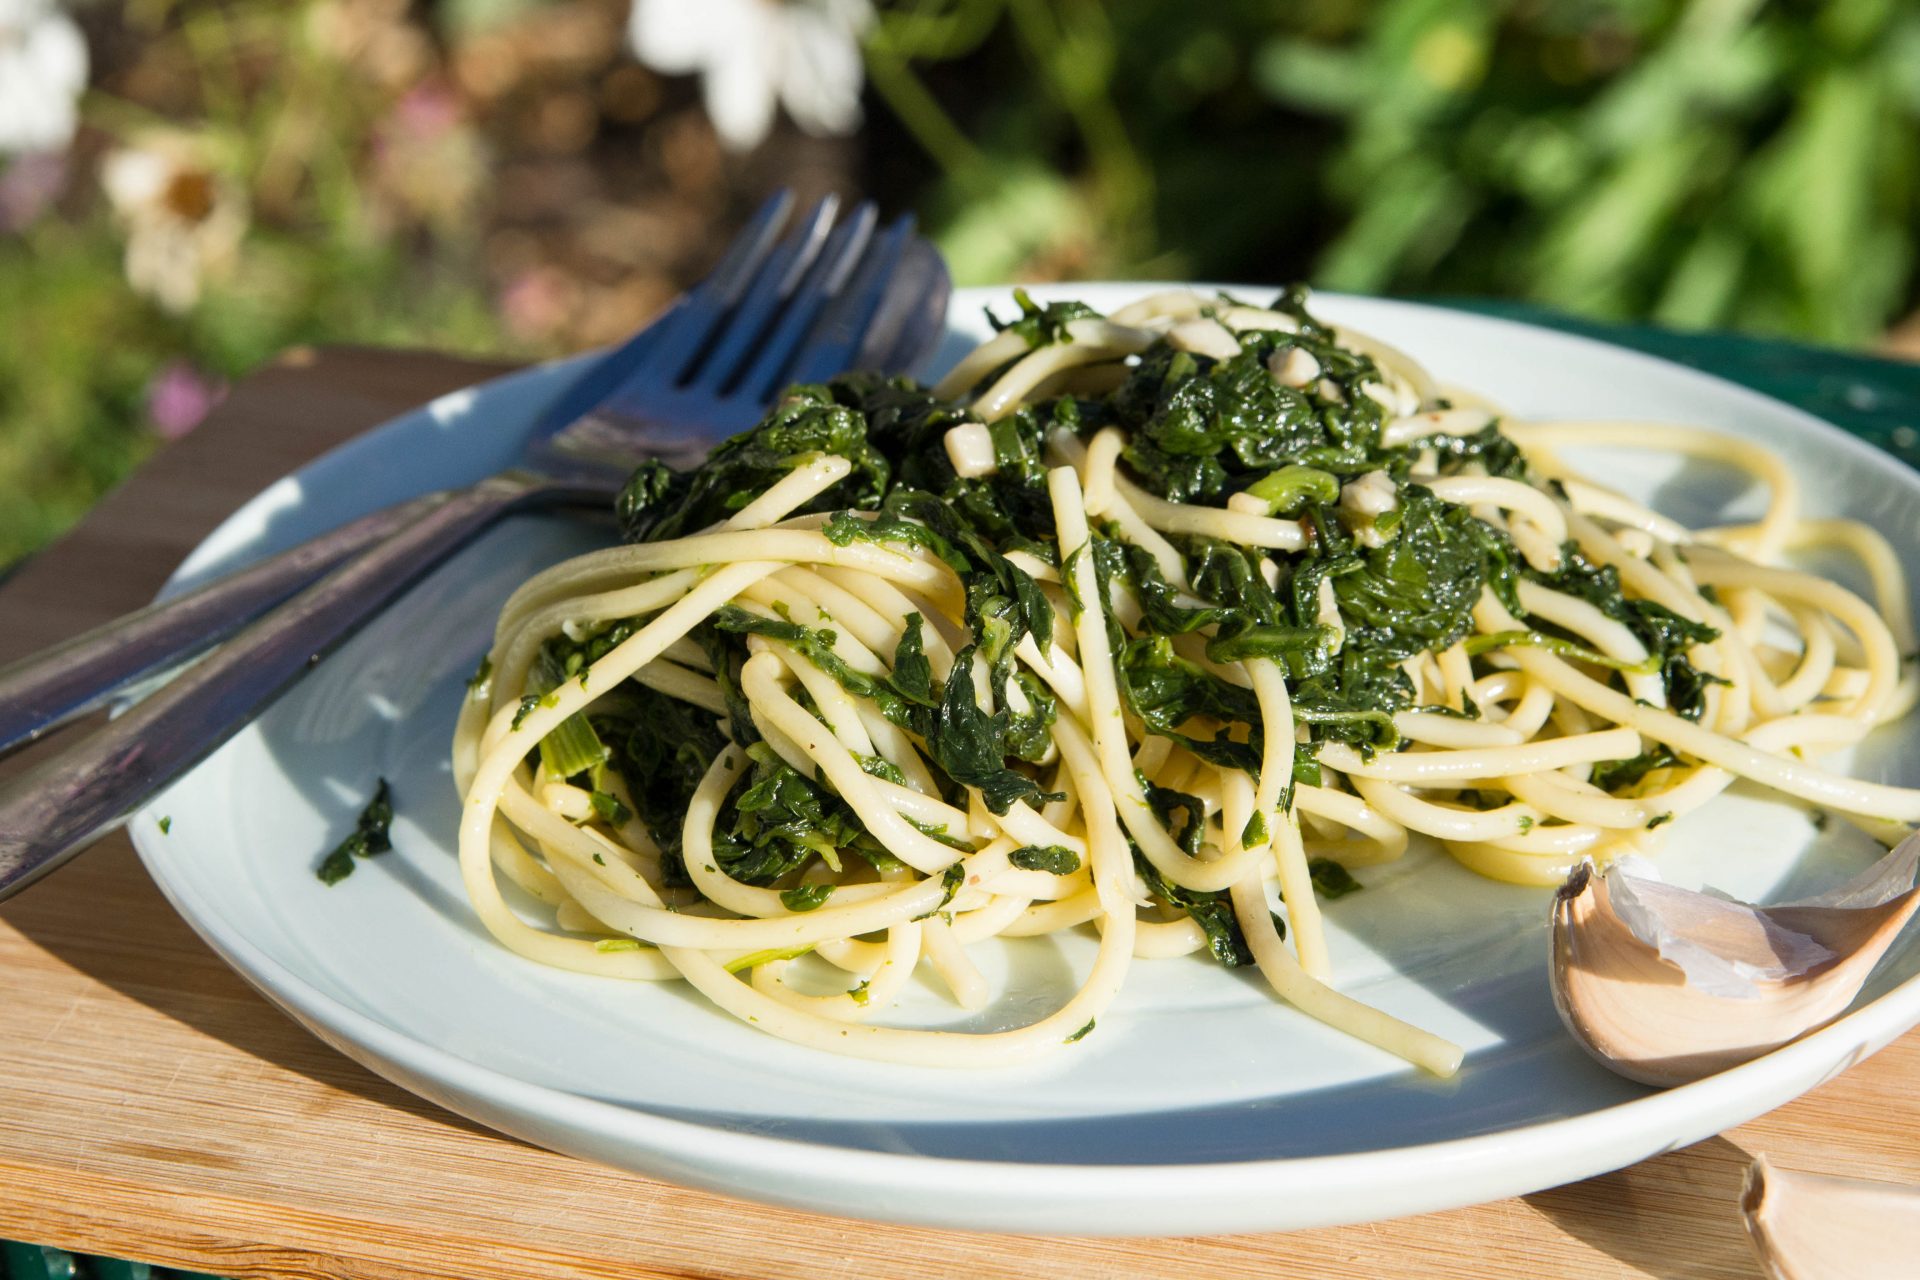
1106	1199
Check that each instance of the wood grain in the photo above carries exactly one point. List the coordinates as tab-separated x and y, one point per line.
153	1106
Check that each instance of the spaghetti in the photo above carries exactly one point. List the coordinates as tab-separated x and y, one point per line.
1150	622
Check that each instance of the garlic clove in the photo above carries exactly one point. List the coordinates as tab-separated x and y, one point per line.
1665	986
1809	1226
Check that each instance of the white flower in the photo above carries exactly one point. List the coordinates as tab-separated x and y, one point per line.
756	54
43	70
184	219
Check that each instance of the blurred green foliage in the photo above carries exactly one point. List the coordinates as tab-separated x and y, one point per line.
265	118
77	369
1692	162
499	176
72	385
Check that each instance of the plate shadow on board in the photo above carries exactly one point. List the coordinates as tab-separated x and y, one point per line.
1675	1217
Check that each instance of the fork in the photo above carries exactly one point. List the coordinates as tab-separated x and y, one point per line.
609	412
826	297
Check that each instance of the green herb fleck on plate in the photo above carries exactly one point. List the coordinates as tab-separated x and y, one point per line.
369	836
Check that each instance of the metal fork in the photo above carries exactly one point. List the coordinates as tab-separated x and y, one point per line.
697	374
822	299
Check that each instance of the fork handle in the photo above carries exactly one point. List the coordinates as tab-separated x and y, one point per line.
53	811
41	692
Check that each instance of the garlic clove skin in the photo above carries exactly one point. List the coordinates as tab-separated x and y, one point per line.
1808	1226
1666	986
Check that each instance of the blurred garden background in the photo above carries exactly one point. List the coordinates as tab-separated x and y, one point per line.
188	187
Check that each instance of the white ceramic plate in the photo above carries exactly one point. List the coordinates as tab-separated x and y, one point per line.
1199	1105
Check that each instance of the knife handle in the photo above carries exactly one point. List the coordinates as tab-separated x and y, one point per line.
48	689
53	811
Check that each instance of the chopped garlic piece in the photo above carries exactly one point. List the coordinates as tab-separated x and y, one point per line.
1294	367
970	449
1204	337
1363	500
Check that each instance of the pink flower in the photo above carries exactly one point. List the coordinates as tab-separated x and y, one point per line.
427	112
537	302
28	184
428	158
180	397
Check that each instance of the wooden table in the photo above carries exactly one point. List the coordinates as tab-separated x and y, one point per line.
152	1106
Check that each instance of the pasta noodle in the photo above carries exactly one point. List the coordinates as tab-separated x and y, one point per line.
1151	663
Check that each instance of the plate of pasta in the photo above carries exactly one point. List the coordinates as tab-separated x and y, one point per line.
1114	785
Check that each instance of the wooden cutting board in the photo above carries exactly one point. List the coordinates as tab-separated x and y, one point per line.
152	1106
